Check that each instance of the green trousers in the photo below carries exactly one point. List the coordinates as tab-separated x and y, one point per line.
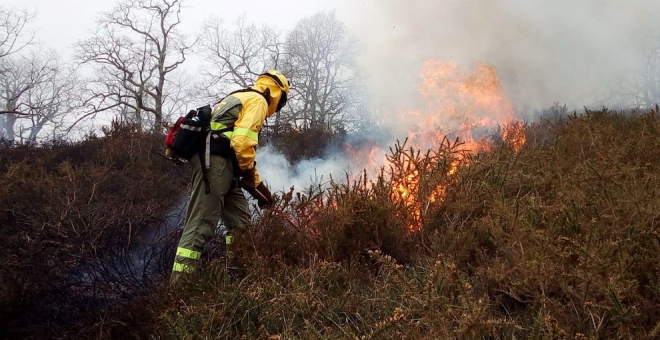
226	201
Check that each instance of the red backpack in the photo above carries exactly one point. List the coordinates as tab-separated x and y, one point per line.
172	130
187	137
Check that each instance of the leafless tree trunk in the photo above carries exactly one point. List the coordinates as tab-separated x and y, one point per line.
643	89
135	49
319	56
14	37
649	82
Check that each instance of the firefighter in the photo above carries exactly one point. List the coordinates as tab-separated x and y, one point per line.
235	125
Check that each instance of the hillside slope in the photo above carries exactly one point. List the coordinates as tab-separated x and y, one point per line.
559	239
71	215
555	239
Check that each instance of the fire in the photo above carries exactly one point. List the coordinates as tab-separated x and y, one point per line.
369	158
457	105
514	134
407	191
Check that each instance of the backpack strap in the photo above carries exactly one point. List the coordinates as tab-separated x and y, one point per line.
222	146
203	161
204	113
265	94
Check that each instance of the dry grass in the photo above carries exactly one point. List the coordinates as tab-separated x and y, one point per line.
69	213
556	241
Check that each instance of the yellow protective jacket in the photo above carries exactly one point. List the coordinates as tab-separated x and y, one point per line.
240	117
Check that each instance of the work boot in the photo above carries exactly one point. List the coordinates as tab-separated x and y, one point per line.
176	278
181	272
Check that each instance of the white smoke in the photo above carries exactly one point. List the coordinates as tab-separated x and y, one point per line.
545	51
280	175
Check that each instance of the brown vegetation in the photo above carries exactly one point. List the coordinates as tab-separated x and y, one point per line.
555	240
69	214
558	240
300	144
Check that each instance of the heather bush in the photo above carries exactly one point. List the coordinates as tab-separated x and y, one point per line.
70	213
299	144
555	239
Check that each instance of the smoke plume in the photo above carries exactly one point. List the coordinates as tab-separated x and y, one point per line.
564	51
280	175
540	53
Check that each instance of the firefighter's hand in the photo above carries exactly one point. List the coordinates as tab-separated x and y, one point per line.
267	200
247	179
262	195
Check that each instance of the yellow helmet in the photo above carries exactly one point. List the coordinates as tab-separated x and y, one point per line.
283	83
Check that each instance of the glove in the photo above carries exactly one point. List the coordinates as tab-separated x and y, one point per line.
262	195
248	181
269	201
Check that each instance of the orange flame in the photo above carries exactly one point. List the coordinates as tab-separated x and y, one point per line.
514	133
455	104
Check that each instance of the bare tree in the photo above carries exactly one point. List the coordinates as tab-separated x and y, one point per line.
641	89
13	37
135	49
20	77
235	57
51	100
647	85
319	56
13	33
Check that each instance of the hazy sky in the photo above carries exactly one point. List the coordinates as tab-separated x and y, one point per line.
545	51
61	23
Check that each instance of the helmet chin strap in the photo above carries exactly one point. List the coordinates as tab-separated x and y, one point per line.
283	96
282	102
267	95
